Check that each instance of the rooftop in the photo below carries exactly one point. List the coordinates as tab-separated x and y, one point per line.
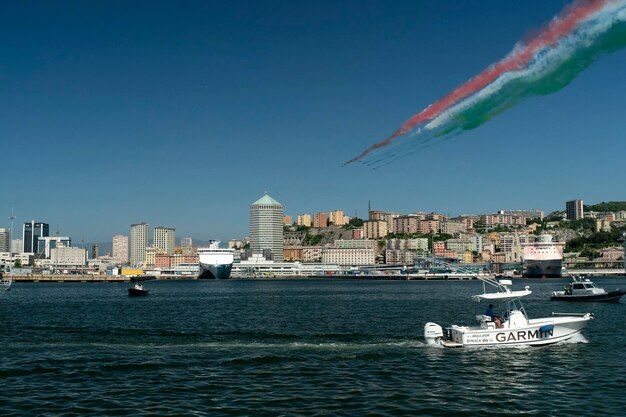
266	200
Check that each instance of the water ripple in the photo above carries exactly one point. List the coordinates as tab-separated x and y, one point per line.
281	348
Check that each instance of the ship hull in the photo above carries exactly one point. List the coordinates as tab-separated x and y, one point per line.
209	271
543	268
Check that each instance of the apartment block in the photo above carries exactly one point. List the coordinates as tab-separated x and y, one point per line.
419	244
400	257
439	248
355	244
164	239
292	253
459	245
428	226
348	257
492	220
320	220
150	259
405	224
451	227
337	217
375	229
311	254
574	209
163	260
120	248
304	220
5	240
526	214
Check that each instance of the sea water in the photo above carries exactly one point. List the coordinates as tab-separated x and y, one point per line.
294	347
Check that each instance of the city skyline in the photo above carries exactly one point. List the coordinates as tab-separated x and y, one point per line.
259	92
108	240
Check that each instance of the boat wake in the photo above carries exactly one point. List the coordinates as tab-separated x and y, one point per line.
280	345
577	338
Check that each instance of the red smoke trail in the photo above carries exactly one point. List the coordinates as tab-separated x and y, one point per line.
565	23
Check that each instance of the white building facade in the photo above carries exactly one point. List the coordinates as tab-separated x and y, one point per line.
348	257
120	248
68	257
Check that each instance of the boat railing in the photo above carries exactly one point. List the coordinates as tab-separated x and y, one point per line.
571	314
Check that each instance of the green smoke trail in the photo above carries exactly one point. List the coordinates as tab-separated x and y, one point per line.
552	77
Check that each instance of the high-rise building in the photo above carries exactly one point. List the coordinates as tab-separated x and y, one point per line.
94	251
46	244
337	217
120	248
5	240
304	220
31	232
138	243
164	239
375	229
320	220
266	228
17	246
574	209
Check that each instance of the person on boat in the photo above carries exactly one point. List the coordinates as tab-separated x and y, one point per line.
497	320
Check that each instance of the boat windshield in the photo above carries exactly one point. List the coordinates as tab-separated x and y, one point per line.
512	305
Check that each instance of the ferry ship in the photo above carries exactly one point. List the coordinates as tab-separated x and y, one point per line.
215	262
543	258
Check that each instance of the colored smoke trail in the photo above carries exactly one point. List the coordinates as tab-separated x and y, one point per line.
543	65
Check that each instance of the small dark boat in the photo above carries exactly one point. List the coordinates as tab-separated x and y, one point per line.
137	291
585	290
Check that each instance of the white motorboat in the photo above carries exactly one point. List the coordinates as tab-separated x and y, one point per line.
512	328
582	289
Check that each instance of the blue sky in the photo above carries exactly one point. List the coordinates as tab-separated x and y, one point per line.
183	113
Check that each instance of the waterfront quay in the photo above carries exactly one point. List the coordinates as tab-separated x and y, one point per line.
452	276
124	278
78	278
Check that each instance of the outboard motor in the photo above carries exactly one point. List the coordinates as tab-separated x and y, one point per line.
433	333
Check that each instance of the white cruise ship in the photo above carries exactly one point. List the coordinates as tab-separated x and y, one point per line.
543	258
215	262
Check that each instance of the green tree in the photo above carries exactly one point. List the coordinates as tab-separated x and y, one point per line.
354	223
608	206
